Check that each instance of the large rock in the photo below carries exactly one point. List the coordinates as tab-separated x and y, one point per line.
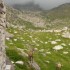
2	35
9	65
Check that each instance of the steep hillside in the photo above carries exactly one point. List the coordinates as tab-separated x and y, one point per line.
60	12
58	17
14	18
30	19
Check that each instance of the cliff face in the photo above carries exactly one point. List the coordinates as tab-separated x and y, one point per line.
2	35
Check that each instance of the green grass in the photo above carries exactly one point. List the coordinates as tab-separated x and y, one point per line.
24	41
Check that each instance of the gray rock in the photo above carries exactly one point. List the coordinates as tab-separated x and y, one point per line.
2	35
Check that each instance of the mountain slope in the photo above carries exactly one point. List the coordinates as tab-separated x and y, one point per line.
60	12
13	18
58	17
26	18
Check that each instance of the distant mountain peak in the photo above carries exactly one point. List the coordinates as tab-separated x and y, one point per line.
29	6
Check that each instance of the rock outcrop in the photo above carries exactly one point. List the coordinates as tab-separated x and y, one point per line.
2	35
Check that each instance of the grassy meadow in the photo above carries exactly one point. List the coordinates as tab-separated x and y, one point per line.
45	56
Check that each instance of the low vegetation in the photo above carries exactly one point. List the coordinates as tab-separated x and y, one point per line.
43	42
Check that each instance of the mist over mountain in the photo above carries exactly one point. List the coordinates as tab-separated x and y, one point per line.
44	4
29	6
